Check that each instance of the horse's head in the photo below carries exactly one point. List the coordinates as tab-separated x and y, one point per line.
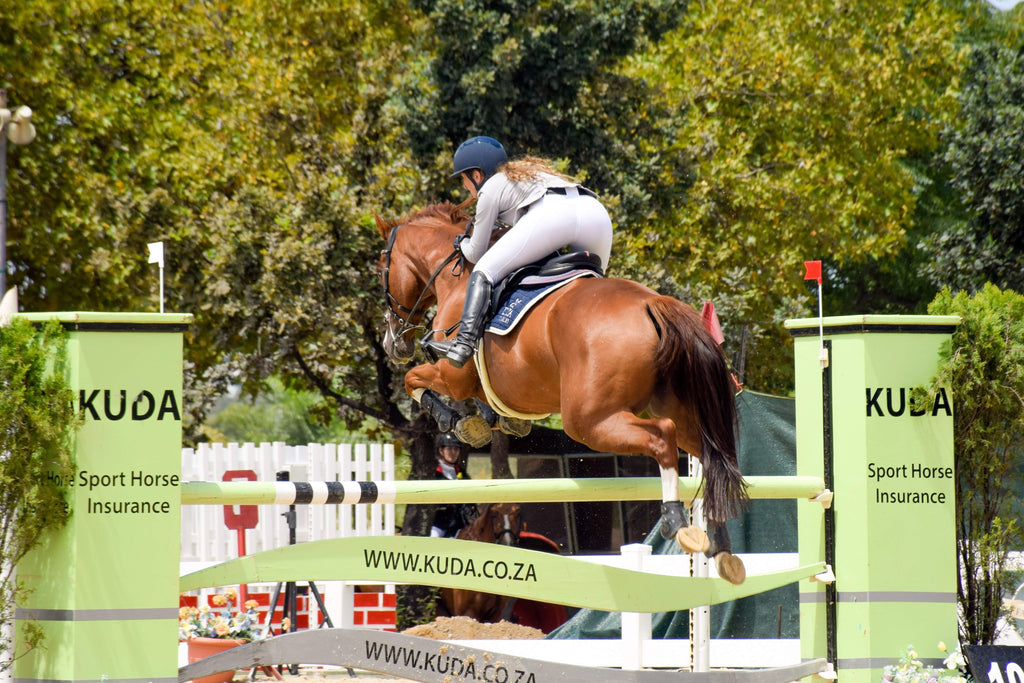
506	523
416	251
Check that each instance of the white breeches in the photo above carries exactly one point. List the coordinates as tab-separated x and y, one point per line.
553	221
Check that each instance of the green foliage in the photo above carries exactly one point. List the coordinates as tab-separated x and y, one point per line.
37	427
985	152
544	77
799	118
282	413
985	367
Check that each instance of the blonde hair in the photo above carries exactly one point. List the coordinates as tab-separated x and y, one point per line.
529	168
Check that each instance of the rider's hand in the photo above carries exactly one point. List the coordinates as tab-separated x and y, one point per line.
458	238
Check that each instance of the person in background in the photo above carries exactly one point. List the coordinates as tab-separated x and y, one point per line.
450	518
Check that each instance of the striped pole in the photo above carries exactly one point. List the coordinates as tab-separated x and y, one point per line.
472	491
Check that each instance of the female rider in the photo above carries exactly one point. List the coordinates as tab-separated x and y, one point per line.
545	211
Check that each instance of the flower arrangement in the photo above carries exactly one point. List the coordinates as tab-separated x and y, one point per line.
911	670
219	622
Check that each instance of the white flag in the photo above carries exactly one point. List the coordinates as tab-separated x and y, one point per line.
156	253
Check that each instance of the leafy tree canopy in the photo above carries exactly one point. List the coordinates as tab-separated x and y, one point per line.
799	118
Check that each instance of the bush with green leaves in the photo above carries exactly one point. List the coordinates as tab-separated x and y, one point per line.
984	366
37	427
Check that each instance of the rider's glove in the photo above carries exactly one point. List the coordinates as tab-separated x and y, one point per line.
458	238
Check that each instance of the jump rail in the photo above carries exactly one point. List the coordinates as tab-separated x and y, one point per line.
479	491
433	661
488	567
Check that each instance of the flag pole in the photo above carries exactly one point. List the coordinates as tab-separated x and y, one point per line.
813	272
156	255
822	351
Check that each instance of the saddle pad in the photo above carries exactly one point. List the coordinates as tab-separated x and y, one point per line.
530	292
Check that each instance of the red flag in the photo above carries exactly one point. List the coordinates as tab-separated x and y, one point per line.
711	323
813	270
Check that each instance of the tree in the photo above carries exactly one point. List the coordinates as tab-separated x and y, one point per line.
37	427
546	78
799	119
985	366
985	152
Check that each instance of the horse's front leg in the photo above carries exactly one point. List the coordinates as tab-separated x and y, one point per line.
425	382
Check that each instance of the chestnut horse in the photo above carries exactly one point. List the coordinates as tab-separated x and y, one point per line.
496	523
629	370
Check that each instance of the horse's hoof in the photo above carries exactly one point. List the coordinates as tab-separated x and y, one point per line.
513	426
692	539
730	568
473	430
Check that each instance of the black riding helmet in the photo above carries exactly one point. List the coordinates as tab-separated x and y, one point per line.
447	439
480	152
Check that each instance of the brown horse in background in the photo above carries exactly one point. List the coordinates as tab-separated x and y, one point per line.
629	370
496	523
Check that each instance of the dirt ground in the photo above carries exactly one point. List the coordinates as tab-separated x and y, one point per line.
443	628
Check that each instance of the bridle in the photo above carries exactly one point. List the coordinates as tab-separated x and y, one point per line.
506	529
391	313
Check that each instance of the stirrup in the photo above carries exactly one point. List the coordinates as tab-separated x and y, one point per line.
455	351
459	353
436	349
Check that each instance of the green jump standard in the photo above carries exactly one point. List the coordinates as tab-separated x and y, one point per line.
104	590
889	463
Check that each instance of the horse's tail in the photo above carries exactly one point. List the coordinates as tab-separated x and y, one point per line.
695	368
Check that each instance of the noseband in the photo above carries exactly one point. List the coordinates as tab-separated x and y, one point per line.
507	530
394	303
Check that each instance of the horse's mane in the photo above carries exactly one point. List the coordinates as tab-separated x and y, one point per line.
443	214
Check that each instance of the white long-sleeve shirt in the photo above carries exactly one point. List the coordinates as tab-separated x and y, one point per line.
502	199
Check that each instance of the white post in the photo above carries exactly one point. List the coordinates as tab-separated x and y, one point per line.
700	617
636	627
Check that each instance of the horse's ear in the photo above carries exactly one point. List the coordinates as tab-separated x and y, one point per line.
382	225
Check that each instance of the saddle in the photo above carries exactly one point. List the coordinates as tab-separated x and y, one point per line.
550	270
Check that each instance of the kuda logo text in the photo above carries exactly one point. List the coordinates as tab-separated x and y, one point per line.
114	405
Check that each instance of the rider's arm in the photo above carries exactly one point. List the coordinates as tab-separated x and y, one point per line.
488	206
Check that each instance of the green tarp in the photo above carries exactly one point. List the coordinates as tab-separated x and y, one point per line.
767	446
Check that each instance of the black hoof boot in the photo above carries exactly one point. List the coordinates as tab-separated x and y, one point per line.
718	534
439	410
673	518
729	566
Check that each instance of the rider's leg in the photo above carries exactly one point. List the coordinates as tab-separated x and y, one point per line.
474	313
552	222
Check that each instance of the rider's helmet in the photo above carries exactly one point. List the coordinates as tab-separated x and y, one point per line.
447	439
480	152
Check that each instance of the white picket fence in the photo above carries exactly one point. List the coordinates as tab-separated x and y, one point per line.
206	540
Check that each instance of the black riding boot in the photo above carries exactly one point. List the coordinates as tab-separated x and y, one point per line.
474	313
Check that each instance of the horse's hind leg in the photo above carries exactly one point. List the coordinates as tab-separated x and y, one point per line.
728	565
674	521
624	432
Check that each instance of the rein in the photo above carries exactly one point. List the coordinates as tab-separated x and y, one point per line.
394	303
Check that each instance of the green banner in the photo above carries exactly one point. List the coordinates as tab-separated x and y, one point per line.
488	567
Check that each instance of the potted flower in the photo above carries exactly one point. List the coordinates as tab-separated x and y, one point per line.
211	630
912	670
